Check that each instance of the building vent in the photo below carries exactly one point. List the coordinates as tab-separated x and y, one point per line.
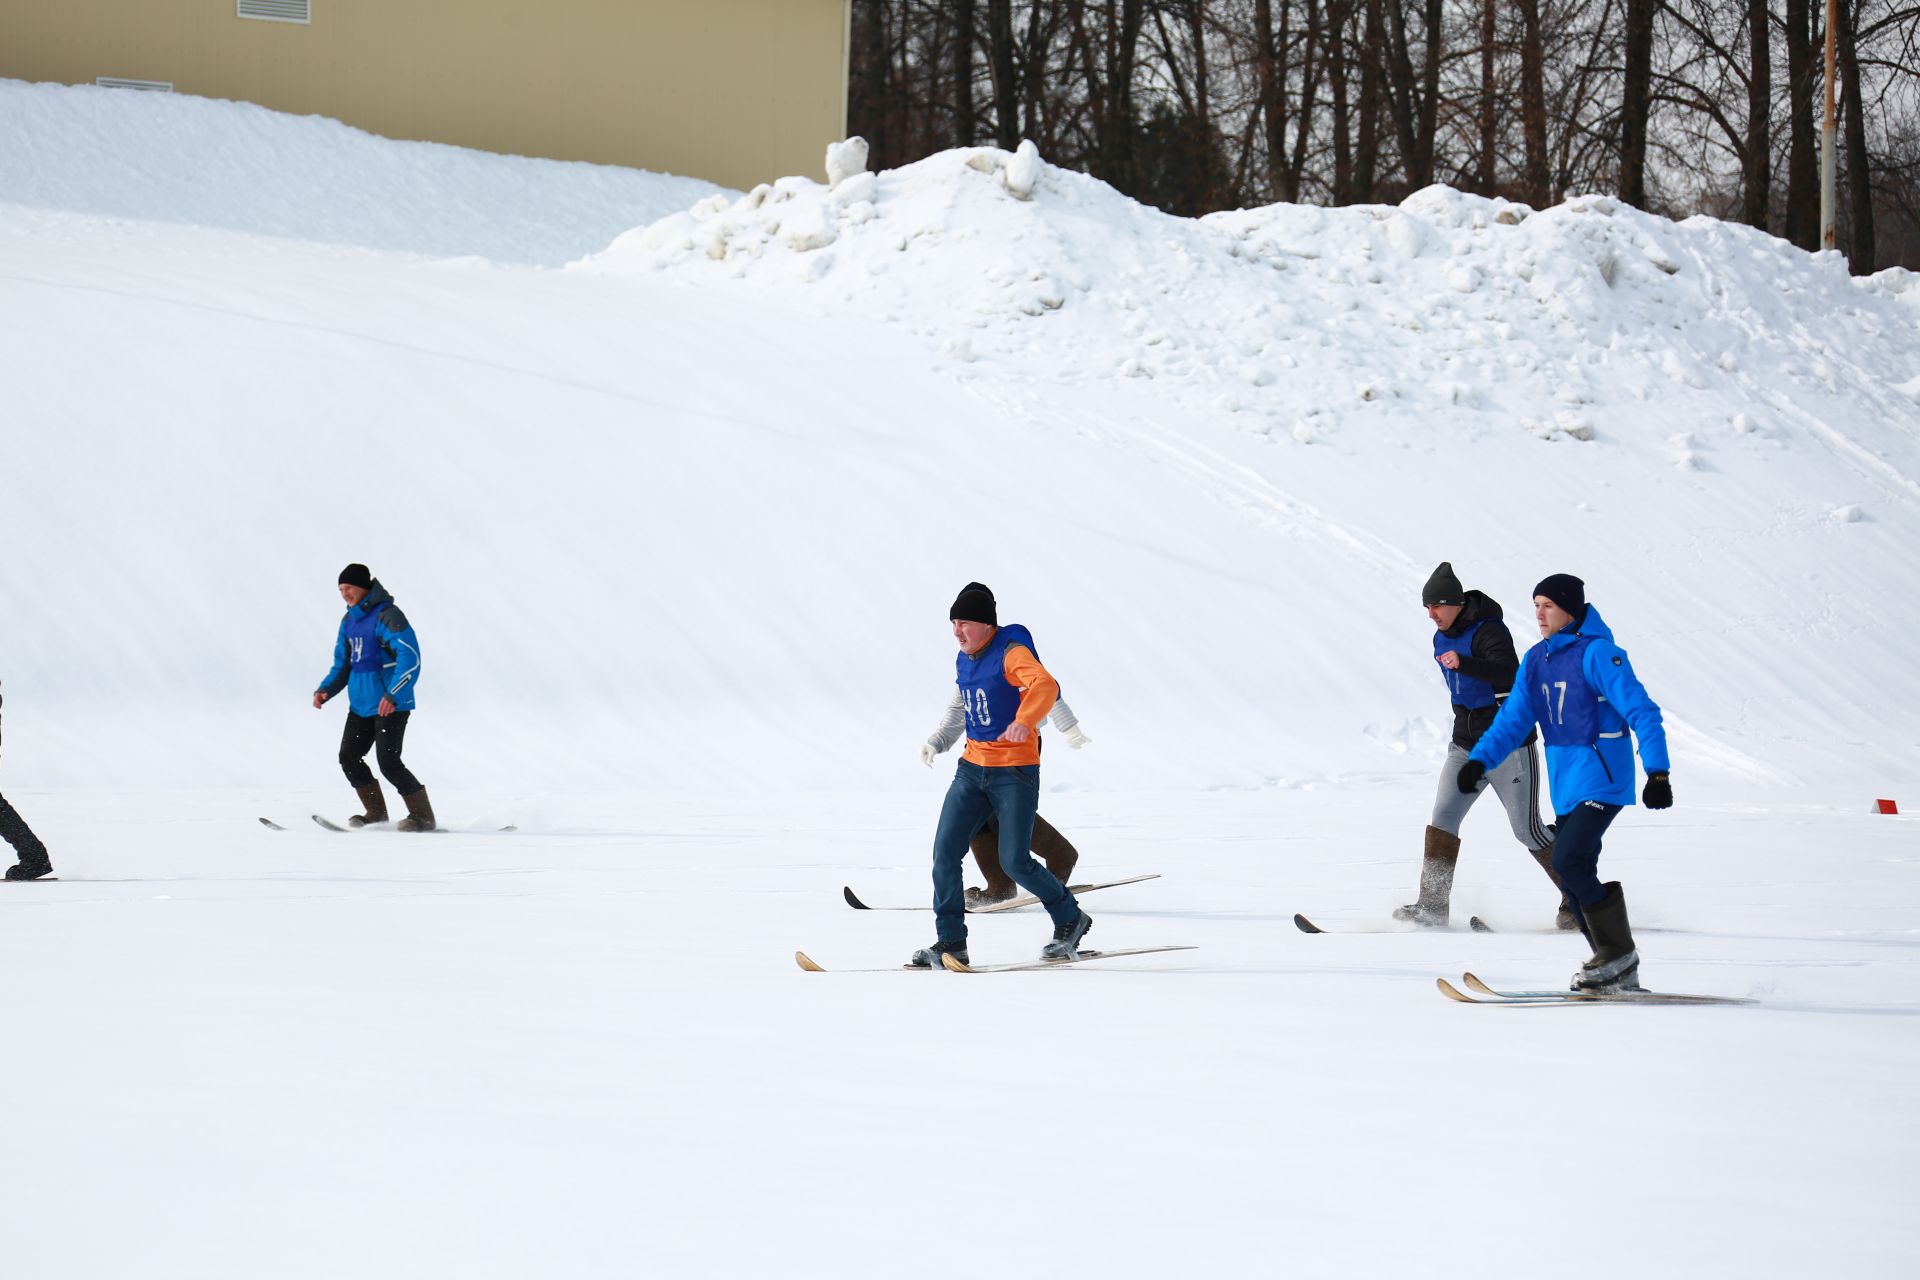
275	10
115	82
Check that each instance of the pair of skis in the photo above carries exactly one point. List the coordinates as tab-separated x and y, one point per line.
1024	900
952	965
1535	999
330	825
1474	923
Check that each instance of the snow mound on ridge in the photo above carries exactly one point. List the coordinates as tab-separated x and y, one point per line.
1298	320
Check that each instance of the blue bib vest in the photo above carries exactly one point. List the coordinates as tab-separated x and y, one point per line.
1567	707
1467	691
992	700
363	646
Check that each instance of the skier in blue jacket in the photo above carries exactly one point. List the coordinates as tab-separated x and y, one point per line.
1578	686
376	659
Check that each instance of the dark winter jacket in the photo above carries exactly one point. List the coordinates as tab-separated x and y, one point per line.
375	656
1492	659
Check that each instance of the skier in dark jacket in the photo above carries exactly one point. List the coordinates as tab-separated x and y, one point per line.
34	862
1578	686
1473	651
376	659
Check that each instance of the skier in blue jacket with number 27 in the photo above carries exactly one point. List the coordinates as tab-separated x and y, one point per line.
1578	686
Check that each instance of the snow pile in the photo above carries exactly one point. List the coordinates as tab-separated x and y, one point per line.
242	167
1301	321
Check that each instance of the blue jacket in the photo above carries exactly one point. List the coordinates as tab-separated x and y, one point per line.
1585	711
375	656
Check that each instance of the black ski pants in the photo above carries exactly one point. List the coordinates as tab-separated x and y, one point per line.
361	733
18	834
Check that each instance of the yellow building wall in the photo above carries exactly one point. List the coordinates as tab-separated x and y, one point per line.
734	91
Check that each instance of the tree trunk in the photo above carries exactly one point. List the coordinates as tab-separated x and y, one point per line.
1373	57
1338	15
1636	102
1489	136
1757	173
1803	176
1006	87
965	121
1861	252
1273	100
1537	182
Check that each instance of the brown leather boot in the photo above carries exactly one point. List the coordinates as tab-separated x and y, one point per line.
419	813
374	801
986	855
1436	880
1563	918
1054	849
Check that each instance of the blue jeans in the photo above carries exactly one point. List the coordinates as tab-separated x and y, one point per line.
1010	794
1576	852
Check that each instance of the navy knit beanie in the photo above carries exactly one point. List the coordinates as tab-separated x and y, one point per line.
1566	591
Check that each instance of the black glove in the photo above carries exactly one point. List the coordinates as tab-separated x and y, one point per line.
1658	793
1470	774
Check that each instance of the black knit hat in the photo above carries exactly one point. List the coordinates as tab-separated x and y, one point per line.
974	604
356	575
1566	591
1443	588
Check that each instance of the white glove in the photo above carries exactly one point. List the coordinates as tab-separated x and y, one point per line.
1077	739
926	754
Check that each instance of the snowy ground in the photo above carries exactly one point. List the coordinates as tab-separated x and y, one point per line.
679	525
586	1051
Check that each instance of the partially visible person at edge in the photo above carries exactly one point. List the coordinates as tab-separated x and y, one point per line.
34	862
1474	652
1006	694
1578	686
1049	845
376	659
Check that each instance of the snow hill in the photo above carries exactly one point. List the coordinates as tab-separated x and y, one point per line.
637	504
677	485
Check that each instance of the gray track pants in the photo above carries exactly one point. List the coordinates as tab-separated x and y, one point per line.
1516	780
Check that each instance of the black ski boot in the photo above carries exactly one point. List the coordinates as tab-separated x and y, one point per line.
34	862
1066	938
1436	881
929	957
1615	965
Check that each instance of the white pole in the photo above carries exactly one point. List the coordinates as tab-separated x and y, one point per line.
1826	136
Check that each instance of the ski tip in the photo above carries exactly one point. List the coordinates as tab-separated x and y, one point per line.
952	965
846	891
805	961
1451	992
271	825
1474	984
1480	926
1305	925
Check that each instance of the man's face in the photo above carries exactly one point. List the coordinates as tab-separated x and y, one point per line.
1549	615
1443	615
973	636
351	594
